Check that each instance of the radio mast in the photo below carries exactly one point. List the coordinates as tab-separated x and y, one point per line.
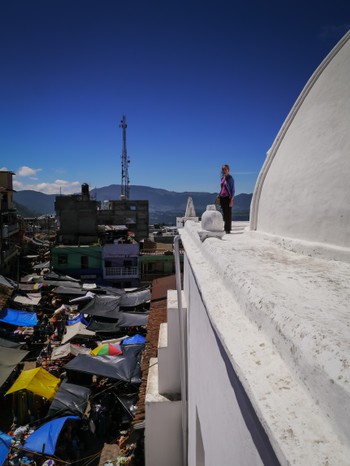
124	191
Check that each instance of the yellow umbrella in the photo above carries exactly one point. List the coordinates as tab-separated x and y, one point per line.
38	381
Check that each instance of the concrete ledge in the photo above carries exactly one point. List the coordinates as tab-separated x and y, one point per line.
169	348
283	319
163	430
168	364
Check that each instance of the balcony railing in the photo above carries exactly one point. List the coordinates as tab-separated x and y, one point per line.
114	272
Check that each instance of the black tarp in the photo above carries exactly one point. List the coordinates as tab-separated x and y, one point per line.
103	326
125	319
132	319
56	276
135	298
130	298
125	367
103	306
65	290
9	343
128	402
70	399
9	358
63	283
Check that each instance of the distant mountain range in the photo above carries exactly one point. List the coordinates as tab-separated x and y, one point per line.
164	206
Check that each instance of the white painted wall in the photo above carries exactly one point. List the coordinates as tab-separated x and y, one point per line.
169	349
163	433
212	403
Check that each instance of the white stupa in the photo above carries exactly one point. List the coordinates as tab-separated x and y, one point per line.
190	214
303	190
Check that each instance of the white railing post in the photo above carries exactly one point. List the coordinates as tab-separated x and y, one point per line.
183	348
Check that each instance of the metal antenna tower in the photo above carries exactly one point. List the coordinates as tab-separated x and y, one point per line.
124	192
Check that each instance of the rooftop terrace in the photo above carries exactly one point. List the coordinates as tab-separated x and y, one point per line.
283	320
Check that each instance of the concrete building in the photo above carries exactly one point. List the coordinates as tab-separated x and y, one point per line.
112	264
133	214
121	265
83	262
156	263
10	231
94	238
77	218
262	318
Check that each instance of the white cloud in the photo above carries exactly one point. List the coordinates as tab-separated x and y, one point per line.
56	187
27	171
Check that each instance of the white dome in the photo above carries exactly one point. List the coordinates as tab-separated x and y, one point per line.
303	190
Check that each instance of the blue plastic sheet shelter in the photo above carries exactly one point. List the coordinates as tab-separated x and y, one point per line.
76	320
135	340
5	443
18	318
44	439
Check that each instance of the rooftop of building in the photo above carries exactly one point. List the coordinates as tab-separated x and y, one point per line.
283	318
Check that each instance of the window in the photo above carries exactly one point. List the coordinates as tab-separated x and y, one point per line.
62	259
84	262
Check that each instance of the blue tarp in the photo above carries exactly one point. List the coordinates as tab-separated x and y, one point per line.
5	443
135	340
46	435
18	318
76	320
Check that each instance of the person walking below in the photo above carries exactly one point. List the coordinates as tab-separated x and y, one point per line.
227	194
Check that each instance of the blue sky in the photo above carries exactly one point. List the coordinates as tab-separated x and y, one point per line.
201	83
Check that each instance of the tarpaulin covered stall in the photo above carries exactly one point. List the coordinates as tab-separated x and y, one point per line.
18	318
7	282
103	327
134	340
5	443
125	368
135	298
76	330
44	439
70	399
132	319
57	276
64	283
68	291
77	319
29	299
63	351
125	319
9	343
38	380
103	306
9	358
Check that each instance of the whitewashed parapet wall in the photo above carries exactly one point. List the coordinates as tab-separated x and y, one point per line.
268	352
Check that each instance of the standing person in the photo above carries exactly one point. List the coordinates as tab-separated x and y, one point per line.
227	193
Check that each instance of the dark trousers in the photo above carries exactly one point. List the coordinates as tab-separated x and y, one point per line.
226	213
